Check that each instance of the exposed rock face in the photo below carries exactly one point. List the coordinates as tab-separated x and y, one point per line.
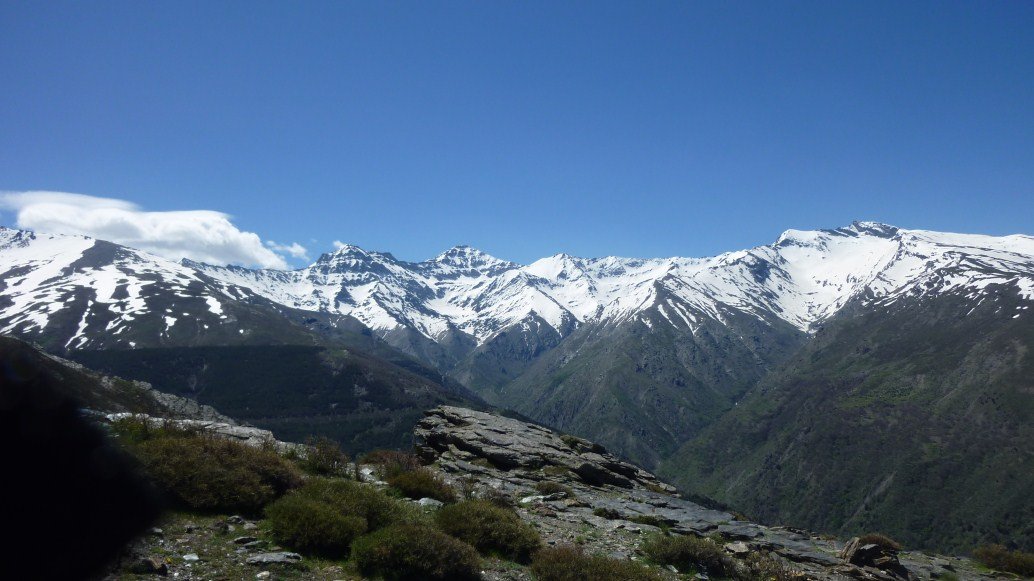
493	456
464	434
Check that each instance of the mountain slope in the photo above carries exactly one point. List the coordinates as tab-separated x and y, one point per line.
295	391
74	292
915	418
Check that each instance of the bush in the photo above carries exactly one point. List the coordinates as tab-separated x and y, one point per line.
569	563
391	462
688	552
651	520
548	487
362	500
414	552
324	457
311	526
491	529
759	567
422	483
881	540
135	429
209	474
1002	559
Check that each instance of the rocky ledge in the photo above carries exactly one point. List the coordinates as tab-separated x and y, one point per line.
574	491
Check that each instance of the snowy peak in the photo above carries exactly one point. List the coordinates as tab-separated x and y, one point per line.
804	278
464	257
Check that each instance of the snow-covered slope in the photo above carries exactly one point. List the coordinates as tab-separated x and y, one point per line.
804	278
74	292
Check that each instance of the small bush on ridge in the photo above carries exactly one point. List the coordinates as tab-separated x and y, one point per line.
686	552
1000	558
550	487
324	457
569	563
312	526
391	462
491	529
415	552
422	483
210	474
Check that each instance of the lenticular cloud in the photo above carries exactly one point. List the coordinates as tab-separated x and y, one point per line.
201	235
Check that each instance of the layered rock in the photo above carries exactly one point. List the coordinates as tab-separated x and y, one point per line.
568	486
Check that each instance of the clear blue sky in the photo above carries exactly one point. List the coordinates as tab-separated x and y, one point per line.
529	128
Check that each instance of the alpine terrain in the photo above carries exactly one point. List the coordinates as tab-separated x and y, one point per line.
849	379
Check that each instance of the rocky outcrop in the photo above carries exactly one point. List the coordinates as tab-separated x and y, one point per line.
575	491
462	434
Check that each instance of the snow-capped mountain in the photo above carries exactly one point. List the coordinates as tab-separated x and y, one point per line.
803	279
75	292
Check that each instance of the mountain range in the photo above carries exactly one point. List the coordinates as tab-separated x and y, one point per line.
722	372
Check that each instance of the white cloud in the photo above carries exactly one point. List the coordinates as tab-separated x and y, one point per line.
202	235
294	249
338	245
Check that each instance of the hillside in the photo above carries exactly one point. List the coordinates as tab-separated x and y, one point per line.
915	419
296	391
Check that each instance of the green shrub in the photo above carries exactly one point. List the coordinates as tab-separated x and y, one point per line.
324	457
312	526
760	567
210	474
881	540
688	552
422	483
651	520
1002	559
550	487
391	462
361	500
569	563
414	552
135	429
491	529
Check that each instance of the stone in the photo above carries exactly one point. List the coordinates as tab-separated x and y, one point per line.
155	532
263	575
235	519
244	540
277	558
249	526
149	565
190	557
430	503
737	548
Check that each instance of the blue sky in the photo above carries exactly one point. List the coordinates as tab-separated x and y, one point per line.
528	128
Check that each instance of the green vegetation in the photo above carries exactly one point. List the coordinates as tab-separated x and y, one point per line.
324	457
313	527
1000	558
205	473
550	487
491	529
415	552
359	400
691	553
391	462
607	513
422	483
650	520
570	563
687	553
